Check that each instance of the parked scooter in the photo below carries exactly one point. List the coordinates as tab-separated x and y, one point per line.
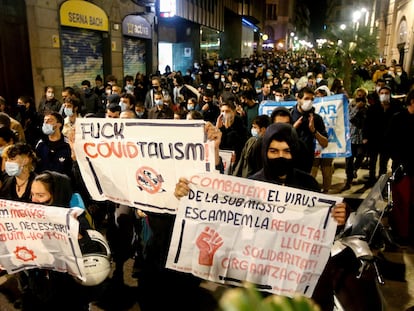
356	253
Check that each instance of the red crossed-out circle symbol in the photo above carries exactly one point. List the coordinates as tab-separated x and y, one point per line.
148	179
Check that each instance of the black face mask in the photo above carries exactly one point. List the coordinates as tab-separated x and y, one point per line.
279	167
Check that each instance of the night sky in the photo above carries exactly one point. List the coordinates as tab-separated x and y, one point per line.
317	12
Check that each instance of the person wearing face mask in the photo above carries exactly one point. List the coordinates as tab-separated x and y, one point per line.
155	88
308	124
357	116
280	150
29	119
161	110
401	80
209	107
19	173
129	84
234	133
141	111
53	150
389	78
89	100
7	138
216	81
250	107
378	116
181	90
127	102
247	164
287	91
49	101
269	74
71	108
279	153
320	80
192	105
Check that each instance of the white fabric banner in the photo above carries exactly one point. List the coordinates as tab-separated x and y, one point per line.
39	236
138	162
230	230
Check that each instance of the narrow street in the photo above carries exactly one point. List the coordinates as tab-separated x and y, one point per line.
398	294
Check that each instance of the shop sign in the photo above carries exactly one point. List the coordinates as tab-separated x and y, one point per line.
136	26
83	14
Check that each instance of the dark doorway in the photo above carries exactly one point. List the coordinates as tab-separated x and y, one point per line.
400	47
15	63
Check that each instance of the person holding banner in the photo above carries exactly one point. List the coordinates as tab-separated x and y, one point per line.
280	148
158	286
308	124
47	289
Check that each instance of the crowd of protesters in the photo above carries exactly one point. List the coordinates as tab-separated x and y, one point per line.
227	93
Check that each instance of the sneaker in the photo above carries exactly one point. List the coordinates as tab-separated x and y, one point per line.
355	175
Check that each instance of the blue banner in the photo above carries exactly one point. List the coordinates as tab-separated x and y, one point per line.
334	111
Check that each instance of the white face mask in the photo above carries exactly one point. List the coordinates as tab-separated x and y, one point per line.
377	88
47	129
13	168
68	112
318	80
399	73
306	105
254	132
278	98
384	97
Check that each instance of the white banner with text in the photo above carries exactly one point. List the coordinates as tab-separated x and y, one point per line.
138	162
232	230
39	236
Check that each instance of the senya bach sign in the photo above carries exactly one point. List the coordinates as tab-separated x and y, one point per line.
38	236
231	230
138	162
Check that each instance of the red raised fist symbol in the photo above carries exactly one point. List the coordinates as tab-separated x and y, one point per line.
208	242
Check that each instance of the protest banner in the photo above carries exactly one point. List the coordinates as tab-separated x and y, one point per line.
138	162
334	112
232	230
39	236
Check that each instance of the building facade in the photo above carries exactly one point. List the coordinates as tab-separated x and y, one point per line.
61	43
285	21
393	20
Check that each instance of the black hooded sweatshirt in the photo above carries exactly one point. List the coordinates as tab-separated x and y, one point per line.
295	178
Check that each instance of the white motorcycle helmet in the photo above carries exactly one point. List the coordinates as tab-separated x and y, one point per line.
96	258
